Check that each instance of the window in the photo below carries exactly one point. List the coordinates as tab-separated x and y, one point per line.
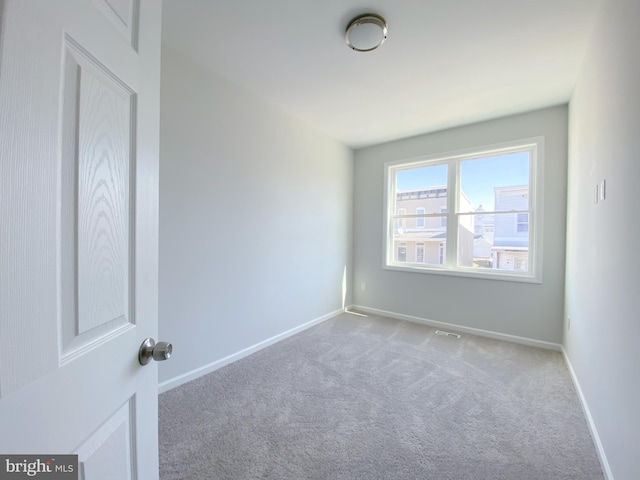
522	220
420	220
478	213
443	220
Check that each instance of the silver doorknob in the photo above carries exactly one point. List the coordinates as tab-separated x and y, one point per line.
152	350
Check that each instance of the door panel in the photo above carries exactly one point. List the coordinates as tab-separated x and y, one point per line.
97	119
108	452
102	209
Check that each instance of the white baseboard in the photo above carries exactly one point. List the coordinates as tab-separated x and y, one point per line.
198	372
592	426
460	328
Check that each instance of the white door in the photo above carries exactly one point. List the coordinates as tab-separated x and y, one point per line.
79	116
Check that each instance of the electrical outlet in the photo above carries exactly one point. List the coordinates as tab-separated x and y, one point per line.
568	323
363	286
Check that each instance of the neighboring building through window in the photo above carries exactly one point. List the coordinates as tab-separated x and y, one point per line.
475	212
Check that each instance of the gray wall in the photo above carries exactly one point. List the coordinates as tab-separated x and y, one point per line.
603	267
255	222
532	311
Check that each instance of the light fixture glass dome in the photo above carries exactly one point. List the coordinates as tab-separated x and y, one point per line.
366	32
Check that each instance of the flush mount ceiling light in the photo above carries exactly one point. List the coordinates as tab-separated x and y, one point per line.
366	32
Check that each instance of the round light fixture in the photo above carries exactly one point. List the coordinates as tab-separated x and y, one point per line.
366	32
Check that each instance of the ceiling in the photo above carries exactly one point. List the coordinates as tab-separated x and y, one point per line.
445	62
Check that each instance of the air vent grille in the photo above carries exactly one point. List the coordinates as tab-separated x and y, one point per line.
447	334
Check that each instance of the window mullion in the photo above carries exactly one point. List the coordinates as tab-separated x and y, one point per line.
453	176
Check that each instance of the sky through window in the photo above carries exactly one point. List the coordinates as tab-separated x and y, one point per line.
478	177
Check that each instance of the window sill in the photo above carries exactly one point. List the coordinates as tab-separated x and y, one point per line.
470	273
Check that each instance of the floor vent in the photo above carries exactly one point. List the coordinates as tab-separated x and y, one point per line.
447	334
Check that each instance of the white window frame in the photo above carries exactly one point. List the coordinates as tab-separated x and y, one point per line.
533	145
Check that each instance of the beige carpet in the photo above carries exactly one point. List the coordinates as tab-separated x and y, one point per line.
374	398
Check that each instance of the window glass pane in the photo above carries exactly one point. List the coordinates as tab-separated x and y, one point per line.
493	241
496	183
425	247
423	187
